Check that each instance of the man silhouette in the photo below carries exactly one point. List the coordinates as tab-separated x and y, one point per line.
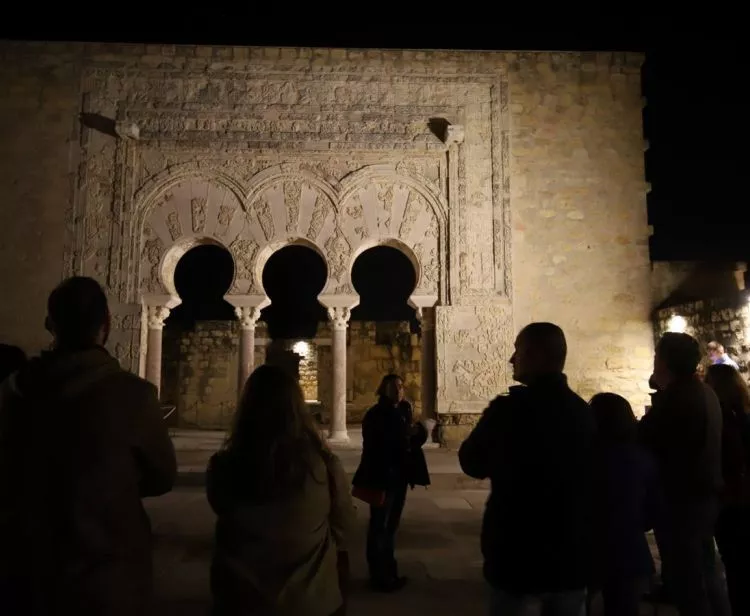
535	444
81	442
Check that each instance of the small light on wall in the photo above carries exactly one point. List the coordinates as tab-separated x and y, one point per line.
301	348
677	324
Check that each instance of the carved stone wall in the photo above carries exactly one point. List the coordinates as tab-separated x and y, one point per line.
514	182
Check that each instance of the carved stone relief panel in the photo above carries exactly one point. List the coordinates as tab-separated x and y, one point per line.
474	345
190	212
125	334
387	210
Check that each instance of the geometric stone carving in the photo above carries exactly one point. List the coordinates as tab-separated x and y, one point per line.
474	346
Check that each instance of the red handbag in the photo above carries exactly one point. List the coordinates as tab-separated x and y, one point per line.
376	498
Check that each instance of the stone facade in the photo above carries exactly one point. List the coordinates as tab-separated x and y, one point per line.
514	182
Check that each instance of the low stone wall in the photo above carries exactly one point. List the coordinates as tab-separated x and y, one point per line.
199	374
200	368
453	429
725	320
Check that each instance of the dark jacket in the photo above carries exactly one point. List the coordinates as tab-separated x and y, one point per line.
536	446
81	442
627	503
391	449
683	430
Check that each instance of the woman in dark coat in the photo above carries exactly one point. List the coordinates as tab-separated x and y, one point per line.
392	459
627	504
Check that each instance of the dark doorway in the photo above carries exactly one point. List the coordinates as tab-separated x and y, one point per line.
384	277
293	278
202	278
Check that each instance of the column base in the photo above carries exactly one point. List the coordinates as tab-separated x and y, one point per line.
338	437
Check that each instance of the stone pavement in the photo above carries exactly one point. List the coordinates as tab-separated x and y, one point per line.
194	448
437	548
437	545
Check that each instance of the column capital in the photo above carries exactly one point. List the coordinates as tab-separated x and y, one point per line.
156	315
426	318
248	316
339	317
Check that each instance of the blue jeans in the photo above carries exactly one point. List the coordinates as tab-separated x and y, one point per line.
569	603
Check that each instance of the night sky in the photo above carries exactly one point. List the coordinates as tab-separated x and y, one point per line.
693	80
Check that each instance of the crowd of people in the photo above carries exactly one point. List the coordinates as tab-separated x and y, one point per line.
575	485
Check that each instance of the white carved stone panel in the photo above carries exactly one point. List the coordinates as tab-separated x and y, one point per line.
188	213
387	209
474	346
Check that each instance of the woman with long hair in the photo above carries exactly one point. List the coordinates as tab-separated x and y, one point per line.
392	460
627	502
283	507
732	532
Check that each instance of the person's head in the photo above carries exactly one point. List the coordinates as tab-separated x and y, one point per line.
615	420
677	357
540	349
715	350
77	313
274	429
729	386
12	359
391	389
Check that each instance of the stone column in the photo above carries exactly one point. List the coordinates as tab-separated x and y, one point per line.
427	363
339	322
248	317
156	315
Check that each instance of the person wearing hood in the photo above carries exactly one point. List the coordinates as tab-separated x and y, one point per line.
82	441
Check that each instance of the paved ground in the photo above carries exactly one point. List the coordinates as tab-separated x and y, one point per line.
438	549
437	546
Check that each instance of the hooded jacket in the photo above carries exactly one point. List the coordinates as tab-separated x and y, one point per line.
81	442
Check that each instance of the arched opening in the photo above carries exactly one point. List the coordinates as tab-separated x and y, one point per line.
383	331
200	342
293	277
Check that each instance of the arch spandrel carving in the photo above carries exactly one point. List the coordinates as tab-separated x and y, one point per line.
184	213
288	204
391	212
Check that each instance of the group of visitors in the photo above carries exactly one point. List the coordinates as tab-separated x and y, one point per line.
575	486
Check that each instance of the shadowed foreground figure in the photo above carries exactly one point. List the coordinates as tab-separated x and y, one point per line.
683	430
81	442
283	508
12	359
536	446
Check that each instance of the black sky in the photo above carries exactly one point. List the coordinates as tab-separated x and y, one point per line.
694	80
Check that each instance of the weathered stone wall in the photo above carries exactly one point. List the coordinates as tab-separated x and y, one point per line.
514	182
200	368
200	373
580	235
377	349
39	102
724	319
